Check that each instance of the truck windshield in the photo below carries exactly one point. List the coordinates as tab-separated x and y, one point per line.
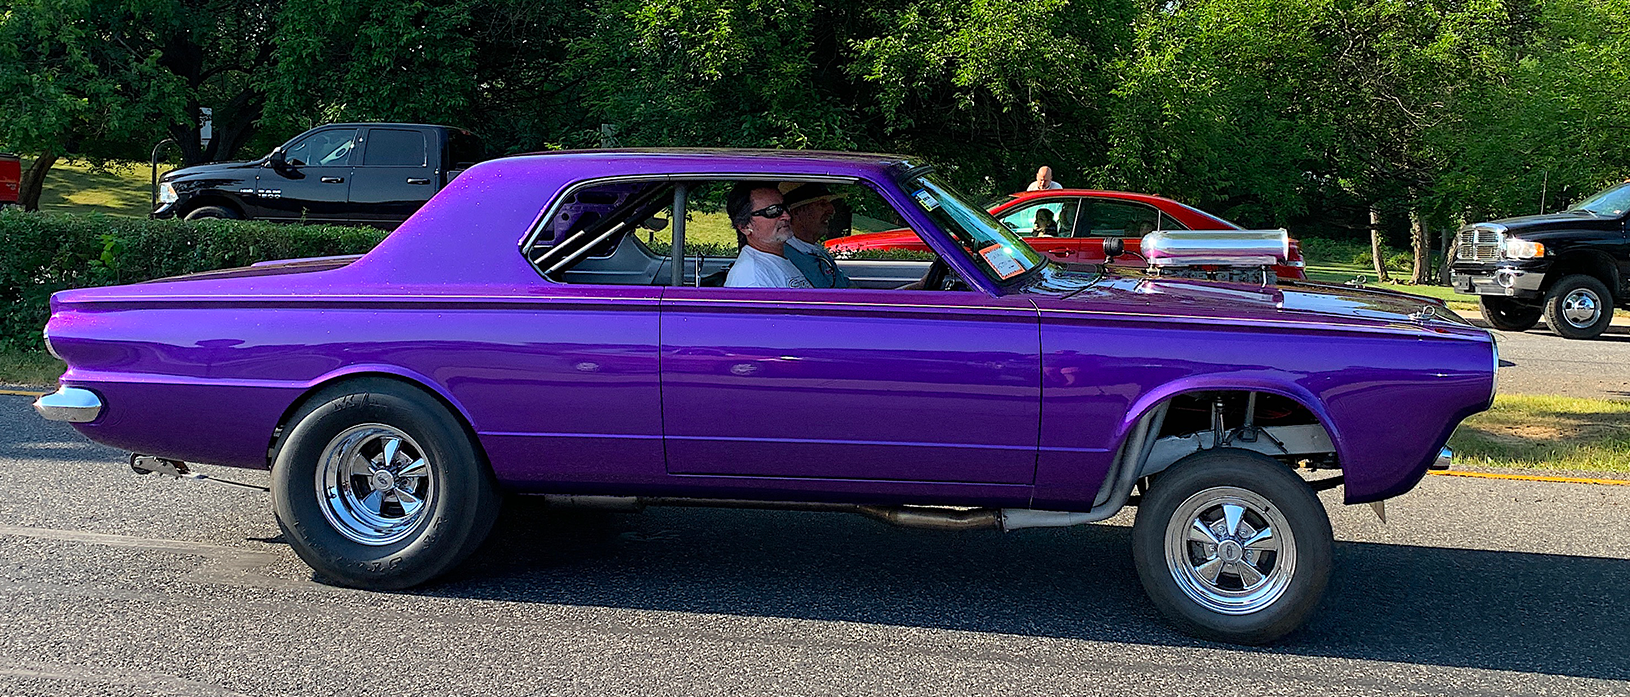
1611	203
998	251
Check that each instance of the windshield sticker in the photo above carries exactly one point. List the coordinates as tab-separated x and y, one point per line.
925	199
1001	261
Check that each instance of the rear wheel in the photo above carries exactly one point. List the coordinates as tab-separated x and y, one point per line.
1578	307
1509	315
377	486
203	212
1232	546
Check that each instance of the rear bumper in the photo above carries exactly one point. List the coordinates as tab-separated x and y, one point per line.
1445	456
71	404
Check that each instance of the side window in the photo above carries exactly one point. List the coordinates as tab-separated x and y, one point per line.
1119	219
395	148
1050	219
464	150
1169	223
622	234
331	148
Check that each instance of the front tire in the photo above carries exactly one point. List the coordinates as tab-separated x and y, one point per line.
377	486
216	212
1232	546
1578	307
1509	315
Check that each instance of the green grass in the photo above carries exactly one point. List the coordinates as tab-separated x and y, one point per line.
121	188
1547	433
29	368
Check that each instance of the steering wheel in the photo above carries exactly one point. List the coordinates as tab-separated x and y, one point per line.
939	277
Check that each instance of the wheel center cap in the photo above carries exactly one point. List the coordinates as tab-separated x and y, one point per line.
1230	551
382	481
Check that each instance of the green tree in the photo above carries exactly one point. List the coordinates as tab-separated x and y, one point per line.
109	78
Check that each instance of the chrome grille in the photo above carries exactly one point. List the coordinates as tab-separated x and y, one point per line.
1474	243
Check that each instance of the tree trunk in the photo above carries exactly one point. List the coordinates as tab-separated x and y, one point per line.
1423	248
1375	246
28	191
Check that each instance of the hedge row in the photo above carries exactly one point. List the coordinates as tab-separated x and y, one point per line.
41	253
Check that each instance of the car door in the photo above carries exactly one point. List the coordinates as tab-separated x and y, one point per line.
395	177
850	384
314	183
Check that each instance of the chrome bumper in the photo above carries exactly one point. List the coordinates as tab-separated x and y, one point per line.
72	404
1444	456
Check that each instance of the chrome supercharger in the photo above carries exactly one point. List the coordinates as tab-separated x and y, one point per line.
1244	256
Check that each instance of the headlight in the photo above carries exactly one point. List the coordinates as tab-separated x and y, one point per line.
166	193
1518	248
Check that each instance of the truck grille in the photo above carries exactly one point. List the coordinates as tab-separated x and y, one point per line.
1477	244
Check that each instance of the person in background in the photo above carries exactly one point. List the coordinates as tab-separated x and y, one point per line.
811	208
1044	180
1044	225
760	216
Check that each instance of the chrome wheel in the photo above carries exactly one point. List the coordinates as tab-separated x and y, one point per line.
374	484
1581	308
1230	550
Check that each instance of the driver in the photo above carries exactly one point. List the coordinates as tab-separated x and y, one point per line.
758	212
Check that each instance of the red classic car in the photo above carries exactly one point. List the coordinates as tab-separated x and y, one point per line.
11	174
1080	221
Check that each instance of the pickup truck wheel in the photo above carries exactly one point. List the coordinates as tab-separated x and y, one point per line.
1232	546
1578	307
212	212
1509	315
377	486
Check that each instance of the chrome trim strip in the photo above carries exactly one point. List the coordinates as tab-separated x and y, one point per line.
71	404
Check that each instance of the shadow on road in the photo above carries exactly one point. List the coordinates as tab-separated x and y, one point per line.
1537	613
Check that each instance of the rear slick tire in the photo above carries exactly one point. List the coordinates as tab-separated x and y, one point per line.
377	486
1232	546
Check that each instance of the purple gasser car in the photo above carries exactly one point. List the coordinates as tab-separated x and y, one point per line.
528	331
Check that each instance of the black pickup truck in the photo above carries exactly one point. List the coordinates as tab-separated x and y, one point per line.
1572	267
346	173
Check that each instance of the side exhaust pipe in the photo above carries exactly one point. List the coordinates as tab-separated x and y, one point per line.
149	464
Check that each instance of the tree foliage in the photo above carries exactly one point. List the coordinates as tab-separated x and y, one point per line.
1301	113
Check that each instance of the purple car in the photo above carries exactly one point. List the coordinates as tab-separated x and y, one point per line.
540	328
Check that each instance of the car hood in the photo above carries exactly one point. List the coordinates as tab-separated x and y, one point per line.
891	239
211	170
1298	303
1550	221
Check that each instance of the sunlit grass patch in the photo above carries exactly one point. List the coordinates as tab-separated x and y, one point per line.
1541	432
29	368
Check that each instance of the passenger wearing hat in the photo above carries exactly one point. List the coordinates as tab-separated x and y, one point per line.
812	210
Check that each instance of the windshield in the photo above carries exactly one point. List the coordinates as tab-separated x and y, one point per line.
1613	202
998	251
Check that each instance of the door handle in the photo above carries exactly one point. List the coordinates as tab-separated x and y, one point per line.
417	180
331	180
1060	253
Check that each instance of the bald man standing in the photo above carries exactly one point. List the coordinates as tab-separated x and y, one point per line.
1044	180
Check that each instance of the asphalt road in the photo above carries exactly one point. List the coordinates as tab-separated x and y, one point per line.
113	584
1548	364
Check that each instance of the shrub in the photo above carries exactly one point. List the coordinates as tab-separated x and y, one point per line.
42	253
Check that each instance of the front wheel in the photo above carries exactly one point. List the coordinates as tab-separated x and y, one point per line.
1509	315
377	486
1578	307
212	212
1232	546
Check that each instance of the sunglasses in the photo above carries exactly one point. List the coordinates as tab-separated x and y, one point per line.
771	212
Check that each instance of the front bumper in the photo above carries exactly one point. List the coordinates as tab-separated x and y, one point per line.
1504	281
71	404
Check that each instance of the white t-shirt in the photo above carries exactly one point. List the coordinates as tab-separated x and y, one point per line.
1036	186
756	269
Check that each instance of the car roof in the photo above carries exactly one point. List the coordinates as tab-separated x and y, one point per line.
742	154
